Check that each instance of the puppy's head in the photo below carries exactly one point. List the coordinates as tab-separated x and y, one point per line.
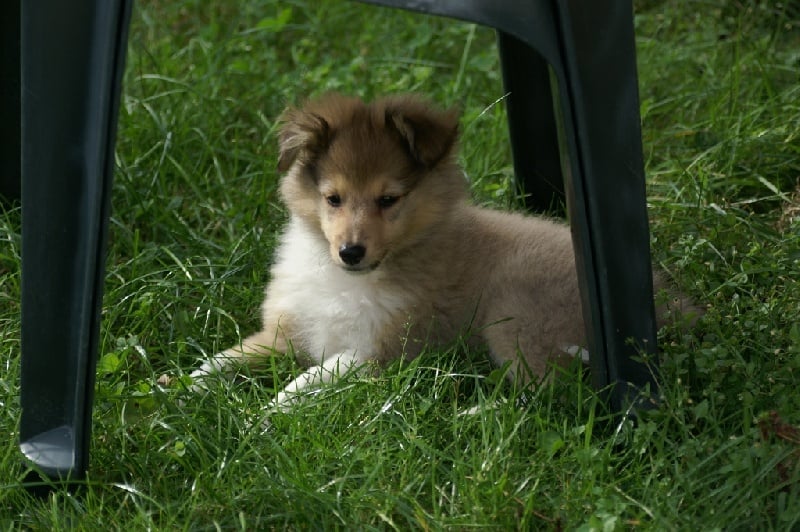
373	178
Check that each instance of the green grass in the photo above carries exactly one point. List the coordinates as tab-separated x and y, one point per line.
195	218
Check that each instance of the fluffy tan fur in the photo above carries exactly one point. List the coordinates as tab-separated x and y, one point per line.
385	254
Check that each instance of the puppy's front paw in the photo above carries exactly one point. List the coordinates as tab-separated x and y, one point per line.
210	369
193	383
197	380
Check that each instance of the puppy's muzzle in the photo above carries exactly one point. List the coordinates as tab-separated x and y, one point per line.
352	254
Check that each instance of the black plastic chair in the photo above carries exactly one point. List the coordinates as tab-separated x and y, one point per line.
569	67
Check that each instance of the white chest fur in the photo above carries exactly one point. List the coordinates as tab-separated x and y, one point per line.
331	310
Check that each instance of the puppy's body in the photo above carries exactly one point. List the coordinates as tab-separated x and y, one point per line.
384	253
477	271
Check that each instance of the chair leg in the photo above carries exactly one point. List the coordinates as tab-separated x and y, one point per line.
606	191
72	63
532	125
9	101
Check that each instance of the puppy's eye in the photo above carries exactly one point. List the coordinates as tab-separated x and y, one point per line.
384	202
334	200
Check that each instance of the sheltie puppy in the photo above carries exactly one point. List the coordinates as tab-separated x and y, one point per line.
384	253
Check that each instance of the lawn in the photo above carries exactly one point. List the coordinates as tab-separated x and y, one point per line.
195	219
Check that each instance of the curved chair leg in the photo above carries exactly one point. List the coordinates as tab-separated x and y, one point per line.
606	195
72	63
532	124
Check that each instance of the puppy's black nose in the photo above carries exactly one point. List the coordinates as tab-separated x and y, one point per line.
352	254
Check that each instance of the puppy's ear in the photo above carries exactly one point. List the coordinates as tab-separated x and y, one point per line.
429	134
302	134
